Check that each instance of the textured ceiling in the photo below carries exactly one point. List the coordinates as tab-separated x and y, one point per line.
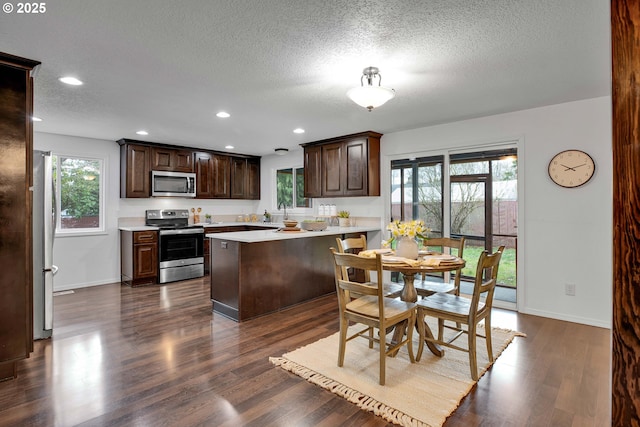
168	66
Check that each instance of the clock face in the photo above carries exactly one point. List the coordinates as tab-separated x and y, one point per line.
571	168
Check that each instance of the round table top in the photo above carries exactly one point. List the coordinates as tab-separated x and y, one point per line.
447	263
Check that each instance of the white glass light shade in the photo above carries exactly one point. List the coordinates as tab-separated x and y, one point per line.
370	97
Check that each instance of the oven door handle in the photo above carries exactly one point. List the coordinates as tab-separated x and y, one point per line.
182	231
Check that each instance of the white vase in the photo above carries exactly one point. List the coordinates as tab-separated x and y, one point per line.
344	222
407	247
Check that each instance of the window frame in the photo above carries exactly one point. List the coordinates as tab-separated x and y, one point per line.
75	232
301	209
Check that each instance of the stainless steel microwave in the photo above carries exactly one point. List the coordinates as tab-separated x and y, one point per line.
173	184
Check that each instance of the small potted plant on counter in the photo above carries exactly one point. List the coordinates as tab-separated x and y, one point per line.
343	219
207	218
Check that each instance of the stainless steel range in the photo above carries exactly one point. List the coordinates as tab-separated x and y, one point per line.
181	246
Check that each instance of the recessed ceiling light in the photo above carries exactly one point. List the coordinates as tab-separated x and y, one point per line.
70	81
36	119
229	147
142	132
223	114
298	130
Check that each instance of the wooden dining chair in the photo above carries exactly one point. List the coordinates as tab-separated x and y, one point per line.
372	309
463	311
425	287
355	245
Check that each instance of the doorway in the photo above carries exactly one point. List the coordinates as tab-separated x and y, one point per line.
480	203
484	208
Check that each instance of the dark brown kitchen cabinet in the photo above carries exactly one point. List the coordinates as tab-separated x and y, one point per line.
135	170
225	229
138	257
313	171
172	160
345	166
253	179
245	179
16	235
238	178
221	176
214	170
203	163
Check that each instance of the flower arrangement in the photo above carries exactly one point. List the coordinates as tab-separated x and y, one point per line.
413	229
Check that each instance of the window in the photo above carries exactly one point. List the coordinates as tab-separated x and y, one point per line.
79	194
416	191
290	188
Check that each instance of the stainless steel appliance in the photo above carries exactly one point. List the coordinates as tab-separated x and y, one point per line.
180	246
173	184
43	236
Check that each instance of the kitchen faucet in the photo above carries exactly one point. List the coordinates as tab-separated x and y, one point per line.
282	204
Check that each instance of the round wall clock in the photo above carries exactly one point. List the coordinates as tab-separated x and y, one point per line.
571	168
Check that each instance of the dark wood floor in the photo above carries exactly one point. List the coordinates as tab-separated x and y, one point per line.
157	356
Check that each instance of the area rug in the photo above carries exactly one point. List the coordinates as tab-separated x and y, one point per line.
419	394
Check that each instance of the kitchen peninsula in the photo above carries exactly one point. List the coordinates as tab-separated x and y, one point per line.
258	272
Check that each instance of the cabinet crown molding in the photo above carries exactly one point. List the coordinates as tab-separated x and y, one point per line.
366	134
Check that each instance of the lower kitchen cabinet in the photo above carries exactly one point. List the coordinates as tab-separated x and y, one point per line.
138	257
224	229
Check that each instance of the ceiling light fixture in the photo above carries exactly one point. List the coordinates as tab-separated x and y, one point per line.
223	114
70	81
298	130
281	151
370	96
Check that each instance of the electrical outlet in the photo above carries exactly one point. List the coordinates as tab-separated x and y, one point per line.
570	289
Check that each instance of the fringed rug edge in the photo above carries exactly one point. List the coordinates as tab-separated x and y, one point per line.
363	401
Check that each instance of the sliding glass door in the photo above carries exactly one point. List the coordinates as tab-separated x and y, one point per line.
480	204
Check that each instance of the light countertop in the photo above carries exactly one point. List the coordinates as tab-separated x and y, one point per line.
139	228
270	235
206	225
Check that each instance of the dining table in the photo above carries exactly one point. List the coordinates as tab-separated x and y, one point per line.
427	262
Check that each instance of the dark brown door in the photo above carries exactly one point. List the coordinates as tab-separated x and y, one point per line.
313	171
183	161
356	168
253	179
162	159
16	249
145	261
204	175
221	176
238	178
137	171
333	168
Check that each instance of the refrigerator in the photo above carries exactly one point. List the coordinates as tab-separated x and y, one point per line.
43	234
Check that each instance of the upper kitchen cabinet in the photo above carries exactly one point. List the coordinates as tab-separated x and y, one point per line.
135	162
221	176
173	160
245	178
345	166
218	175
16	234
253	179
203	163
313	171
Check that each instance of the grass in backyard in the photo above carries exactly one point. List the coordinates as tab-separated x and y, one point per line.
506	271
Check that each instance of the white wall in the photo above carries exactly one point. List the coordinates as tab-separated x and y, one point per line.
565	234
95	259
